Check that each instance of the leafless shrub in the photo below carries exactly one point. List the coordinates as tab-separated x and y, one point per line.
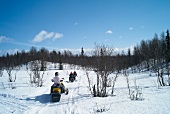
36	76
113	83
137	93
101	108
126	74
103	67
89	82
109	82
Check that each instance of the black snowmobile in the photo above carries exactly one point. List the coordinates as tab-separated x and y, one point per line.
72	77
55	93
57	90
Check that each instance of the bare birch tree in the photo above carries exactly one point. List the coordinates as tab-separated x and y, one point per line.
103	66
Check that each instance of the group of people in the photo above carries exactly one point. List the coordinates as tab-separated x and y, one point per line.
59	82
72	76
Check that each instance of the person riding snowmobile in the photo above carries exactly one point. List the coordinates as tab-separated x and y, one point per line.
56	81
71	77
75	75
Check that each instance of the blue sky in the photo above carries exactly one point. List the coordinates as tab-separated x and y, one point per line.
73	24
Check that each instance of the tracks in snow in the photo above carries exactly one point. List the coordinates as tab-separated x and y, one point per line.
67	104
12	105
71	106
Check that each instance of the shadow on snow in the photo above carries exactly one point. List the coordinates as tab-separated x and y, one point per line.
44	98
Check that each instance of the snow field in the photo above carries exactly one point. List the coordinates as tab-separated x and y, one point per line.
27	99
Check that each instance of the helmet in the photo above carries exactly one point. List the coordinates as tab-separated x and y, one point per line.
56	73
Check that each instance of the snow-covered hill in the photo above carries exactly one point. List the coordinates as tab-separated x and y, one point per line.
27	99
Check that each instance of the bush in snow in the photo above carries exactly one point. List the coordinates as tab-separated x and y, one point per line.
136	93
103	67
36	76
101	108
113	83
90	84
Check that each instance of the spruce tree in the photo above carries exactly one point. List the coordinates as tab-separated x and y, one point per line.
167	46
60	61
82	52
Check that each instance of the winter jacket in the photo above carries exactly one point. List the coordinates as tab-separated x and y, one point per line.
56	80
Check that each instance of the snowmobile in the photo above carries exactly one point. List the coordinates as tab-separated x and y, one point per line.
57	90
72	78
55	93
63	89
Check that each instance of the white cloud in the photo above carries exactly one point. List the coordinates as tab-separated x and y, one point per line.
109	32
43	35
4	39
9	51
58	35
50	35
119	50
131	28
40	36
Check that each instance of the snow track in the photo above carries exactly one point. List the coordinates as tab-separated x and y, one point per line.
72	107
67	105
37	100
12	105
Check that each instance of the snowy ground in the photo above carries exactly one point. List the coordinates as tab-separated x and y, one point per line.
26	99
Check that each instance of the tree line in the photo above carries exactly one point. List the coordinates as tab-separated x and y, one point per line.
153	55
